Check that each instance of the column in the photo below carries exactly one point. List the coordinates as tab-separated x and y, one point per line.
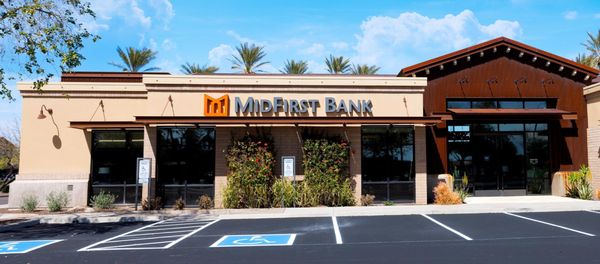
149	189
420	165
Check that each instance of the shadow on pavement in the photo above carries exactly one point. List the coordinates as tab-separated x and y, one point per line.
61	230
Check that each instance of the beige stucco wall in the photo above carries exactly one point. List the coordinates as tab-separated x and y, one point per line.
54	156
592	96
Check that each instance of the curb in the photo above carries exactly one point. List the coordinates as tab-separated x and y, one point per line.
75	219
19	225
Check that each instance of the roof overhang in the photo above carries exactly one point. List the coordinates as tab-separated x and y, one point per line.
508	113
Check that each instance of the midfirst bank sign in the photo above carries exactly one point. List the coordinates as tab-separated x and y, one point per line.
280	104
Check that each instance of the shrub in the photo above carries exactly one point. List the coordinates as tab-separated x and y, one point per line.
284	190
205	202
29	203
103	200
251	161
577	184
179	204
325	171
598	194
152	204
367	199
443	195
463	188
388	203
57	201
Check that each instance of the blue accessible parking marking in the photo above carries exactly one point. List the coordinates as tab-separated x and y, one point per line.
258	240
20	247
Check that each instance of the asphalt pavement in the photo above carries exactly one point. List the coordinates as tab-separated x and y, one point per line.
549	237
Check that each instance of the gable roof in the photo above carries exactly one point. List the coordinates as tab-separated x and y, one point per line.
503	45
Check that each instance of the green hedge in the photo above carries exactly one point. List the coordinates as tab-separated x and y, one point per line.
251	161
326	178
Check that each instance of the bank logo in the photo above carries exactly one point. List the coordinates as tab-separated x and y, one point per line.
216	106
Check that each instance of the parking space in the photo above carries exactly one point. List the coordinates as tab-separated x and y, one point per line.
159	235
380	229
585	221
307	231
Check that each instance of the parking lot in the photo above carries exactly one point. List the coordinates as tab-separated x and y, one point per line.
552	237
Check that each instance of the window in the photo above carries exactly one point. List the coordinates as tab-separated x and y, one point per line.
114	162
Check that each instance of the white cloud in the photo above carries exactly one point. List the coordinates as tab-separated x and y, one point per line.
340	45
392	42
316	49
168	44
218	56
597	15
316	67
127	10
570	15
243	39
164	11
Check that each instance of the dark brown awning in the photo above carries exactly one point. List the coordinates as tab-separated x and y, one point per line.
287	120
105	124
515	113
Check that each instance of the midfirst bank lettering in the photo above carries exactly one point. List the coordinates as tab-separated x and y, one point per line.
278	104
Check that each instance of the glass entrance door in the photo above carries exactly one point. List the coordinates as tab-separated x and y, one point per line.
501	159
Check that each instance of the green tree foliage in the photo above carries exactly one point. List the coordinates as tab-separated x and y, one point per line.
193	68
39	36
337	65
295	67
249	58
326	176
133	60
364	69
592	46
251	162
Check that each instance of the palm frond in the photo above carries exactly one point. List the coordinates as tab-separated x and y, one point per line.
337	65
193	68
133	60
295	67
249	58
364	69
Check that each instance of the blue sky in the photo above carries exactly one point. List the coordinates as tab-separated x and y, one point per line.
390	34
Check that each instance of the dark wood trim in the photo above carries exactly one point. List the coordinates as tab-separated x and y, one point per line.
124	77
104	124
431	120
497	42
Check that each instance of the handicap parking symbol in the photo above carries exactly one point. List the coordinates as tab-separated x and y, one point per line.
20	247
257	240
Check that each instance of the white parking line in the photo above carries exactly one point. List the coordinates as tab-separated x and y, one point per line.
190	234
550	224
447	227
173	231
336	230
592	211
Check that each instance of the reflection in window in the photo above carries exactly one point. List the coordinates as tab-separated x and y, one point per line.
114	156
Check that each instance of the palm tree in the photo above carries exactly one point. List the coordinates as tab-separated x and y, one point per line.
249	58
337	65
587	60
193	68
135	59
364	69
593	46
295	67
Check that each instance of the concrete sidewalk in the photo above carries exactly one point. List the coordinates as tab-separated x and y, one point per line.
473	205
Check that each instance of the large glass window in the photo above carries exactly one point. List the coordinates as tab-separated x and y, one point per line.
185	163
114	157
504	158
388	168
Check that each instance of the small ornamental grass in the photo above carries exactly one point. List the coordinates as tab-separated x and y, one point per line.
103	200
152	204
29	203
205	202
57	201
578	185
367	199
443	195
179	204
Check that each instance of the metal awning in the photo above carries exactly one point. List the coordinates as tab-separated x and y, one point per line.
511	113
141	121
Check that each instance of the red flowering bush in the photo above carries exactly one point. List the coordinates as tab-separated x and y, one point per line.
251	161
